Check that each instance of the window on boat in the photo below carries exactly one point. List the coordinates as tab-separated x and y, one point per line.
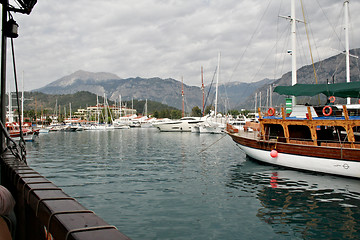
356	131
331	134
274	131
299	132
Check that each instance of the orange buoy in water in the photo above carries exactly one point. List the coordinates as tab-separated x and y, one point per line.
274	153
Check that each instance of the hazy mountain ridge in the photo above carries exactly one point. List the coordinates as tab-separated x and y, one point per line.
234	95
165	91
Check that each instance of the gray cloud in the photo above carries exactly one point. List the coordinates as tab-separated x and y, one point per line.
170	38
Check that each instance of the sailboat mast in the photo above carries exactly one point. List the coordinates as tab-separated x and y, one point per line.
347	47
182	95
217	84
293	50
146	109
11	119
203	92
120	107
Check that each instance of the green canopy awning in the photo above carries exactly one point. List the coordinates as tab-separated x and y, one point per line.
343	90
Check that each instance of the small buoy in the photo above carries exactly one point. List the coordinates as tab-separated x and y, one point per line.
271	111
274	153
332	99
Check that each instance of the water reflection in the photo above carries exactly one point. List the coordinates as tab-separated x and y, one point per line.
301	205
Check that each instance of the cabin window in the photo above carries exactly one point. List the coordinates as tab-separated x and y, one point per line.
356	131
299	132
274	131
331	134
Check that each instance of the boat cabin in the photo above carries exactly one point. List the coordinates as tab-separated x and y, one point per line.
335	131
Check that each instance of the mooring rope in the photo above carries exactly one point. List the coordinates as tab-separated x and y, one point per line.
212	144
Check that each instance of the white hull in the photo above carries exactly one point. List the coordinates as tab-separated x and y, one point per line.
195	129
324	165
177	126
210	129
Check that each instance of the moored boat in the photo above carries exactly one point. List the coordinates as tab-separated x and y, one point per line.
182	125
321	144
315	138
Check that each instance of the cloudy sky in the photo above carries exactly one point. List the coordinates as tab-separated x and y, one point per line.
174	38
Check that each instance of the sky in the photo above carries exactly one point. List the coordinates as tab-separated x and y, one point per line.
174	38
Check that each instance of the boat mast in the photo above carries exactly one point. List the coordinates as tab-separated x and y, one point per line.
146	110
347	51
182	95
217	84
97	110
293	48
70	113
203	92
255	103
120	104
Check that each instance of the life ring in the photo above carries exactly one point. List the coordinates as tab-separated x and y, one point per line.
271	111
327	113
332	99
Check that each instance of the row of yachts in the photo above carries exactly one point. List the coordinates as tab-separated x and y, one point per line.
208	124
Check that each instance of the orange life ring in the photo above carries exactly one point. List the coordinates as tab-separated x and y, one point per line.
271	111
332	99
324	111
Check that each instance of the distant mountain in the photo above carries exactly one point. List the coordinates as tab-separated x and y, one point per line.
233	95
165	91
47	102
329	70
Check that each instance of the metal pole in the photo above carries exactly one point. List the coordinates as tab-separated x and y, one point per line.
347	47
293	46
3	72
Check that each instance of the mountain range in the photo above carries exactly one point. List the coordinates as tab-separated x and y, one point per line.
234	95
165	91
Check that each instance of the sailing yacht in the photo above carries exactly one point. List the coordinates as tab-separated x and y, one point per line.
213	123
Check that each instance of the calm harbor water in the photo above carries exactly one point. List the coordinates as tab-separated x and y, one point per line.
154	185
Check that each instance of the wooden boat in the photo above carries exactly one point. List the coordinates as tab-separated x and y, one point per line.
321	139
328	144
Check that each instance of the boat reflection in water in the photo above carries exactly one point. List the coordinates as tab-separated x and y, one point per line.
303	205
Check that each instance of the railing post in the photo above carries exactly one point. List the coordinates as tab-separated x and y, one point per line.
3	72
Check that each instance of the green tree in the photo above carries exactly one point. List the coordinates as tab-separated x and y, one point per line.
196	112
175	114
234	113
207	109
156	114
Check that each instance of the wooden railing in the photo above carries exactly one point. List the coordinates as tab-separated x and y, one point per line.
44	211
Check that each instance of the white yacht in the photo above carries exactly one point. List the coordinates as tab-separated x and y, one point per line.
182	125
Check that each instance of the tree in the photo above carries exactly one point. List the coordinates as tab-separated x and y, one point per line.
196	112
175	114
234	113
207	109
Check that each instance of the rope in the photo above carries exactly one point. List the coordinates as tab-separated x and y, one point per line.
207	96
212	144
22	141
